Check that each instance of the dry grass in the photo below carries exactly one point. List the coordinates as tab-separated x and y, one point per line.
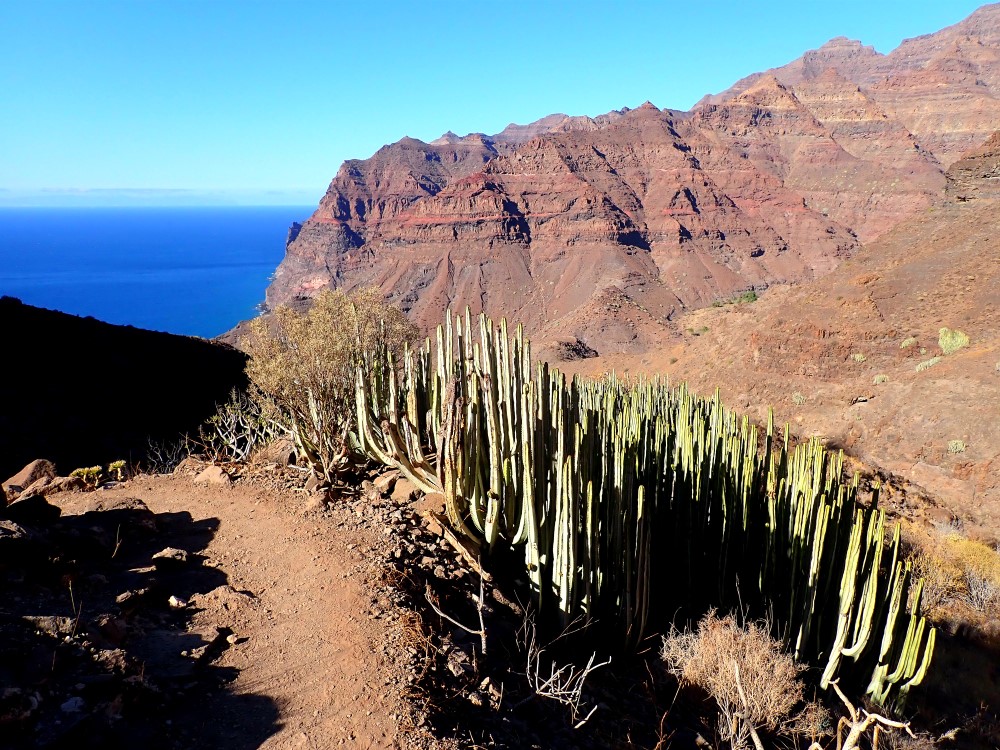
709	657
956	570
943	581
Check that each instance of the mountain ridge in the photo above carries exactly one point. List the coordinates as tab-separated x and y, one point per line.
604	229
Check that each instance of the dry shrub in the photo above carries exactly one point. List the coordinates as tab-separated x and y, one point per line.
708	658
956	569
813	723
980	566
305	364
943	580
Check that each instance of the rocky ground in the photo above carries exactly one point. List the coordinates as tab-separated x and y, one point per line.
230	607
165	612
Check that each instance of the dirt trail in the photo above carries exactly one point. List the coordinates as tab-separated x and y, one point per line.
312	667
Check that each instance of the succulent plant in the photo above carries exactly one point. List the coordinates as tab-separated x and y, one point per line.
634	501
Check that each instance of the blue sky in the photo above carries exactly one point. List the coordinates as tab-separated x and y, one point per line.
215	101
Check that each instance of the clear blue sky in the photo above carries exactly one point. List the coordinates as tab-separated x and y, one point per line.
248	97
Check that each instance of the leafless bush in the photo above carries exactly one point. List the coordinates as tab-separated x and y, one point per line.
563	684
742	668
813	723
982	594
304	363
706	657
240	427
162	456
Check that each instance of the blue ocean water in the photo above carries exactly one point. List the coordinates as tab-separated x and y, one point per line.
193	271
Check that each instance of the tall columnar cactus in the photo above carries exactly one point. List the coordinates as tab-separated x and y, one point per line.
635	500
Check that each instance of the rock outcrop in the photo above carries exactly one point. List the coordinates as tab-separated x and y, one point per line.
976	176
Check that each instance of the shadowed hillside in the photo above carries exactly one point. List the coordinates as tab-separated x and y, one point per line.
80	392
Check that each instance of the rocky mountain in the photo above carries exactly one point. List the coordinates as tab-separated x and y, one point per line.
856	356
944	88
601	231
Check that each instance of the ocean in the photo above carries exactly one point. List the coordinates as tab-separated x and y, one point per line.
192	271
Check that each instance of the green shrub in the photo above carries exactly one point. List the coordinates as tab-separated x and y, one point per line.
305	365
929	363
951	341
91	475
117	469
740	299
956	446
858	357
908	342
879	379
798	399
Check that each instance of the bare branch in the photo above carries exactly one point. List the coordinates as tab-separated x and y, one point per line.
428	594
860	726
564	684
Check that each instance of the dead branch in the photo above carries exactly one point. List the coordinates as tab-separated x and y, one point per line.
480	604
563	684
859	726
743	715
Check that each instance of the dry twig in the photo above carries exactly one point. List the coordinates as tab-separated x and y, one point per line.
429	595
562	684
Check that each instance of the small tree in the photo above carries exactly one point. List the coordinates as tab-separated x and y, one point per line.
304	363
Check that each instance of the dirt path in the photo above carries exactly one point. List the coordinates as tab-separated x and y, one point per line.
314	664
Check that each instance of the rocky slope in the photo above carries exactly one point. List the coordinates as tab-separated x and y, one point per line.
602	230
977	174
855	357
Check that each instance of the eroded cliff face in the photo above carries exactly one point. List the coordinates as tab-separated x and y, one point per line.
587	223
976	176
602	229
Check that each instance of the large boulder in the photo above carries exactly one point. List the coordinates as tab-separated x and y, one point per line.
33	473
280	451
32	510
53	485
64	484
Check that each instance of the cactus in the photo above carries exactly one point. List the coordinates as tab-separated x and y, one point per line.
633	499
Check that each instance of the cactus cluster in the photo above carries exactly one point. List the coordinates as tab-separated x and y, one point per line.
636	502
